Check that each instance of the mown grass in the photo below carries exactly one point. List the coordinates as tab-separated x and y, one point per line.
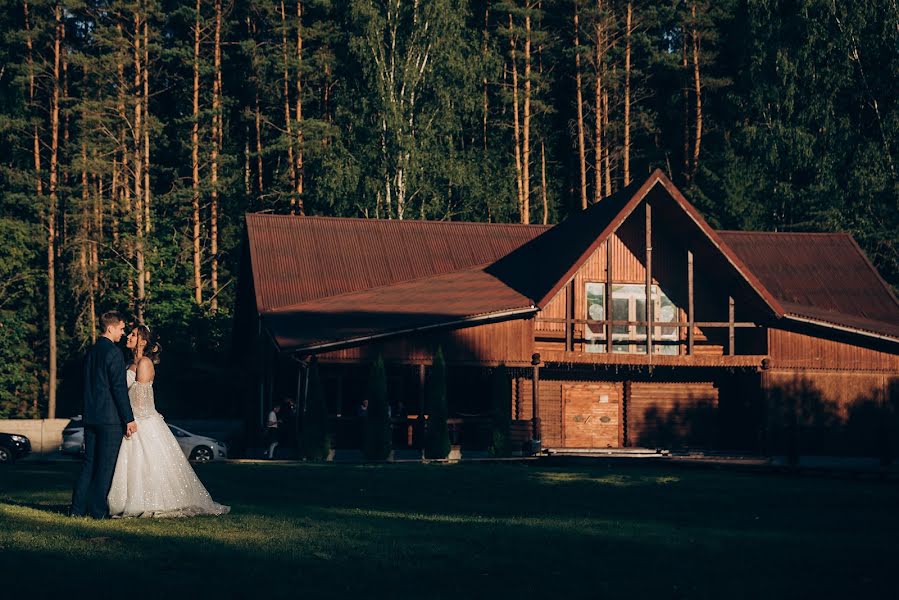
463	531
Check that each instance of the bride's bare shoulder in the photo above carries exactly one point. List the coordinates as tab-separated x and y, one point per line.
145	370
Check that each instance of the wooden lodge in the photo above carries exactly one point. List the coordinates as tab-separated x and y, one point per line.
758	342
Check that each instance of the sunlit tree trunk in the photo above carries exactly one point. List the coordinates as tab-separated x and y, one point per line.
626	158
607	146
85	255
597	106
287	118
62	224
299	110
51	212
581	144
195	164
686	102
124	154
697	91
543	183
145	75
526	129
214	159
519	180
138	170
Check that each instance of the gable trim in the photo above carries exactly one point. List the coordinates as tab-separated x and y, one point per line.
658	177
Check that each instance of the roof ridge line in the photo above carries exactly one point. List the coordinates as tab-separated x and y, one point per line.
873	269
758	232
398	221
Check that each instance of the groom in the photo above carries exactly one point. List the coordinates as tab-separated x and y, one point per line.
107	417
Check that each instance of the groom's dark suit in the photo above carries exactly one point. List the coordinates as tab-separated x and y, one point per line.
107	411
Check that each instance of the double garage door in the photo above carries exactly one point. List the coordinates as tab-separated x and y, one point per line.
635	414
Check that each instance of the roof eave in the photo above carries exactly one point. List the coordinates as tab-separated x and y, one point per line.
505	315
843	328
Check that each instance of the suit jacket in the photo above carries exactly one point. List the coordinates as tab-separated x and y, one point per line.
105	391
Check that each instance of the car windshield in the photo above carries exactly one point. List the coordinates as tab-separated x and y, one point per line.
74	424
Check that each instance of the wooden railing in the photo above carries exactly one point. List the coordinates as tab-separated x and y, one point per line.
570	323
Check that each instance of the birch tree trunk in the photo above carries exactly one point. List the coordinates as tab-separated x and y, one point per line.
38	177
626	159
257	117
686	100
61	224
124	154
526	130
195	164
85	255
299	110
138	170
287	118
485	39
146	132
519	180
581	144
214	159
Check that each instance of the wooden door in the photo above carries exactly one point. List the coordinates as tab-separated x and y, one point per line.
590	415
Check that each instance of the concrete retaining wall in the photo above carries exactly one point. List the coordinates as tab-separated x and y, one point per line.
45	434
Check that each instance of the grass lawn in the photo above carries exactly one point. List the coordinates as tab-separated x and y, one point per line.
609	530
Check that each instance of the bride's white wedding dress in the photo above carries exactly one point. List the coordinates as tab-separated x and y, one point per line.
152	476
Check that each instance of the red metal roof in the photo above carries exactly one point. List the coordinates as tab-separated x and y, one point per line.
298	259
323	280
820	276
424	303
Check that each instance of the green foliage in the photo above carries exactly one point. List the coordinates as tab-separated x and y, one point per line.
437	442
407	109
316	441
377	443
501	398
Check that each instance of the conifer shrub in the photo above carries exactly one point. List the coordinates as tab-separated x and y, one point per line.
377	442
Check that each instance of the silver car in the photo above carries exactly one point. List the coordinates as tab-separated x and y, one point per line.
197	448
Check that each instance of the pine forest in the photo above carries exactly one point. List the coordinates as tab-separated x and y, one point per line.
135	135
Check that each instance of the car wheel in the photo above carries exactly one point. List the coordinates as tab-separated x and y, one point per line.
202	454
5	455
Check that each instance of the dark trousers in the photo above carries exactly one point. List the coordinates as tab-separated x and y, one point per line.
101	450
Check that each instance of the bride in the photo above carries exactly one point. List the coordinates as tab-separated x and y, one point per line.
152	477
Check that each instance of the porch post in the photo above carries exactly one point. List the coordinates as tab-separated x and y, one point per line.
649	327
569	318
537	443
691	317
730	325
609	294
421	408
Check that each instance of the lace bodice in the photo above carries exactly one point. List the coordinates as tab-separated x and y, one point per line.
141	396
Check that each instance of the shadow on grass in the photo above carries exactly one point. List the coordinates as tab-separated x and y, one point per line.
470	531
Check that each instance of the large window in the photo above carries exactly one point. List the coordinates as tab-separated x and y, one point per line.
629	304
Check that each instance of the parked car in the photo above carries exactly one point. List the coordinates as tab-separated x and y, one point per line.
198	448
73	437
13	447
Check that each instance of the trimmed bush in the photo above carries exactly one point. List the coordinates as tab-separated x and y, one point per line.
377	444
437	442
316	442
501	398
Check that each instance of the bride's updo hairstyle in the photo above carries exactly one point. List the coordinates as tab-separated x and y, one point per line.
153	349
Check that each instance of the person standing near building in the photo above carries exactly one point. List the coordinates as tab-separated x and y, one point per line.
271	431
